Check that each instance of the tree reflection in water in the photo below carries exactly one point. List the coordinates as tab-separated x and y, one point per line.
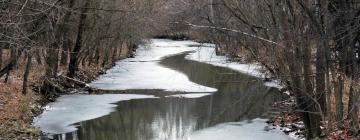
239	97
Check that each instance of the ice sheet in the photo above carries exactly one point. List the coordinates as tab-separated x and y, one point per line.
207	54
59	116
144	71
257	129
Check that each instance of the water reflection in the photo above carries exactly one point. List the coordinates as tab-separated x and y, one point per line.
239	97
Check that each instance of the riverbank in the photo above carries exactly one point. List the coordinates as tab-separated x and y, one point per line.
17	111
205	54
284	115
217	97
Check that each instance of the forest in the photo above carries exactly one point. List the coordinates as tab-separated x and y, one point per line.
311	47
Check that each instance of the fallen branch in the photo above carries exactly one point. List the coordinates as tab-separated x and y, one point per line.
78	82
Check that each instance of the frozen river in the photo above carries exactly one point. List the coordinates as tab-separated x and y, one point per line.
171	90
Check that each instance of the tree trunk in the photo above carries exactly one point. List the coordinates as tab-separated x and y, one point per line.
353	106
120	50
27	72
106	57
64	52
114	54
52	59
6	70
65	35
320	77
313	101
293	60
97	55
72	68
339	106
1	57
92	56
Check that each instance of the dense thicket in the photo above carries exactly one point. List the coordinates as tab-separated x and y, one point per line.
63	35
311	45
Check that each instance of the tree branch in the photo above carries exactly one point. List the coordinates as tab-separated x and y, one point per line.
231	30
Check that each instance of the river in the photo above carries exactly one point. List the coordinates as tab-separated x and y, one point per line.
171	90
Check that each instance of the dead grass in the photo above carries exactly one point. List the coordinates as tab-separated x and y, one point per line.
16	111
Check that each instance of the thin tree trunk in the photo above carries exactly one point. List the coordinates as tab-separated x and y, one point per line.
114	54
339	106
1	57
320	77
120	50
97	56
27	72
106	57
353	107
14	55
10	66
64	52
315	119
92	56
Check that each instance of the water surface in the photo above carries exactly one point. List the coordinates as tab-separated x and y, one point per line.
207	102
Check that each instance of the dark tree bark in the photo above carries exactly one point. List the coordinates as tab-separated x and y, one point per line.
27	72
52	59
97	56
1	57
14	55
320	77
72	68
65	31
106	57
114	54
297	84
339	105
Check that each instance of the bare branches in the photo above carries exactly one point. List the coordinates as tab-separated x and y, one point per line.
102	9
232	30
22	8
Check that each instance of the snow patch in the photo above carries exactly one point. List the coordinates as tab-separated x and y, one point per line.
246	130
60	116
207	54
145	72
